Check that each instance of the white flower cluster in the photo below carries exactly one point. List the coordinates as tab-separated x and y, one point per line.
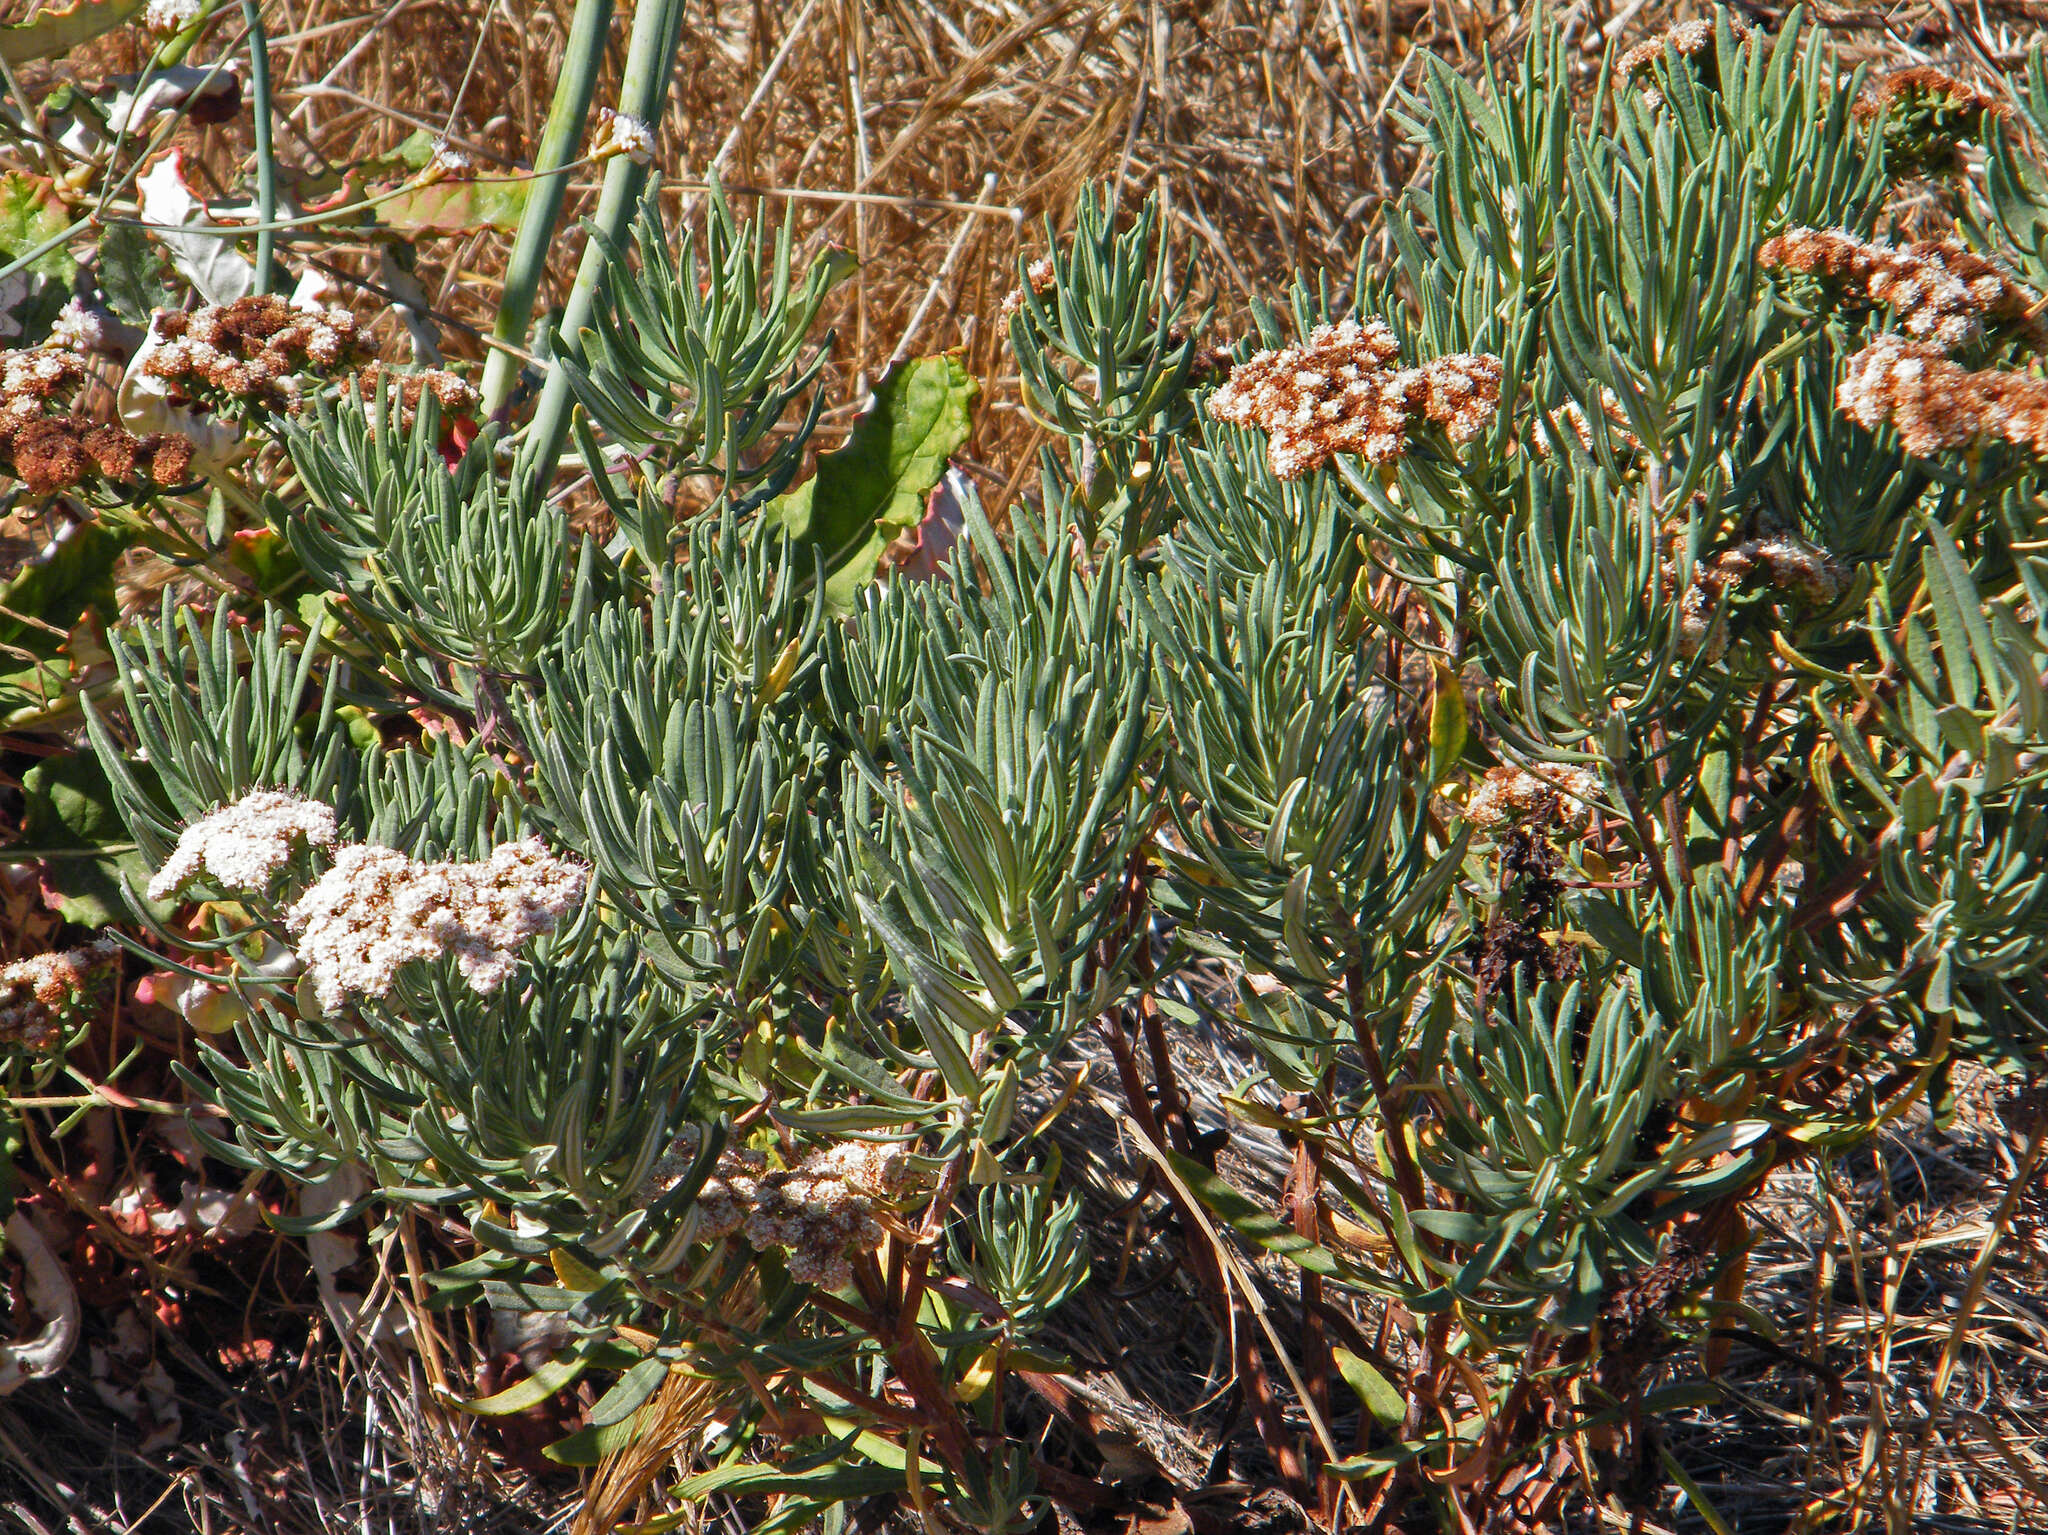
377	909
241	846
35	991
815	1211
76	329
170	16
1338	392
627	136
1509	793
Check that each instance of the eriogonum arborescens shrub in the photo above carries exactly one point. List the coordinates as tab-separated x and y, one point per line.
1570	703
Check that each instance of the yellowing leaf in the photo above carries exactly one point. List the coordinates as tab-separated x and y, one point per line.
1448	723
574	1273
979	1376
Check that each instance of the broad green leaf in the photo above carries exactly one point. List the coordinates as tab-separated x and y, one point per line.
615	1421
30	214
132	274
838	1480
59	30
531	1392
456	206
874	486
1379	1394
590	1445
57	592
78	575
70	810
630	1391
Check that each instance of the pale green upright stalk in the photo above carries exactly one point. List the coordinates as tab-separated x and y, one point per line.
650	56
558	145
266	160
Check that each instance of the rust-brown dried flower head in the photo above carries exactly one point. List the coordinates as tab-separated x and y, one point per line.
49	454
1546	791
254	353
1614	419
1936	404
1928	116
50	445
1336	391
1941	292
1778	561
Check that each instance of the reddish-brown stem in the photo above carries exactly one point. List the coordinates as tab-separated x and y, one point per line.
1745	778
1392	1114
917	1368
1304	1198
1173	1103
1267	1412
1776	845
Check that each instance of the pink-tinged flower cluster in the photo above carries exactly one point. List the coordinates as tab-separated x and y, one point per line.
815	1212
377	909
1687	40
243	845
35	992
1936	404
1941	292
1039	275
1338	391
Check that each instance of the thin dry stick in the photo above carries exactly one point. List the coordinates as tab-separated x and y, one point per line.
940	278
761	90
1973	1293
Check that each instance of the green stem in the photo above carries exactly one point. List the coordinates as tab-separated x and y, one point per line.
558	141
266	162
657	30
